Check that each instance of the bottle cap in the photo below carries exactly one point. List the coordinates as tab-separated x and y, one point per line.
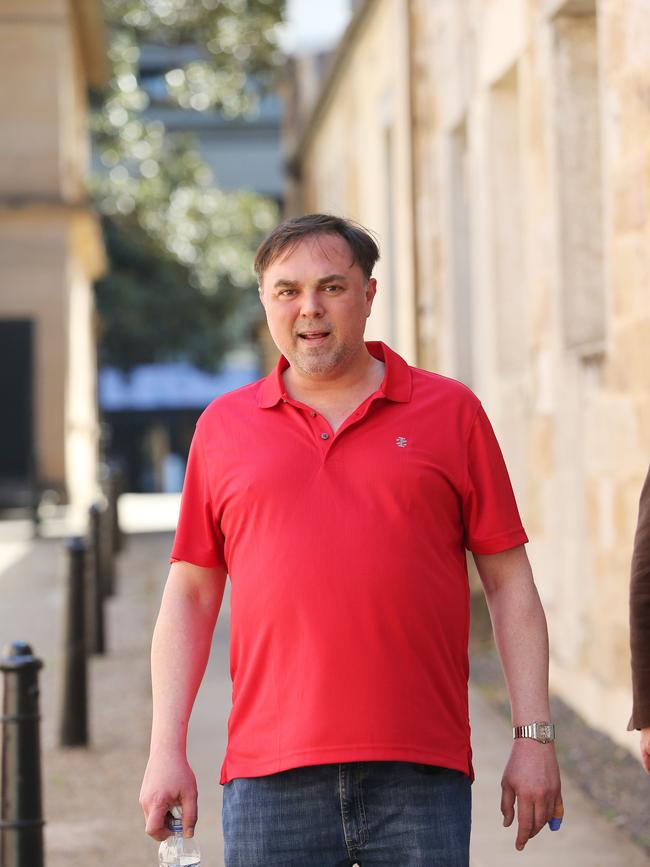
175	820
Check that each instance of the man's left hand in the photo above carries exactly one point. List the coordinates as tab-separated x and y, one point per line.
532	779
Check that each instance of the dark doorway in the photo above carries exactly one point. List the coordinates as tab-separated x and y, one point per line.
131	438
16	400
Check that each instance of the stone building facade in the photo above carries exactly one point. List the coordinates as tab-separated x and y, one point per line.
501	151
50	248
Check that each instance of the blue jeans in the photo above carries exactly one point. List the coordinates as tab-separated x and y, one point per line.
400	814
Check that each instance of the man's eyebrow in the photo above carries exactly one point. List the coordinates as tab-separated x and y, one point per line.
331	278
292	284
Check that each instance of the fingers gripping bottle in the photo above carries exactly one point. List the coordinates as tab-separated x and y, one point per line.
178	851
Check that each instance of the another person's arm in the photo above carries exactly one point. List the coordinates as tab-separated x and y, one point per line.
179	655
640	625
532	776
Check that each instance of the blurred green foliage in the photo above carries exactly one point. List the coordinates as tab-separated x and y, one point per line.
180	283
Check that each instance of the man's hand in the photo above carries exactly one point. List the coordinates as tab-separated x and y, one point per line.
644	746
168	781
532	778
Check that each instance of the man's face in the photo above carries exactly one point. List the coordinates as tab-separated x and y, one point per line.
317	302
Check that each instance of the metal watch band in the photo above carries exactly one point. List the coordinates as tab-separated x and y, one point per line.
544	732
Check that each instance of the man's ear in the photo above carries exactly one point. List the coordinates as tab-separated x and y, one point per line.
371	291
260	293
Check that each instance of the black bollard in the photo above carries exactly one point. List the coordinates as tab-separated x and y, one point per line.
107	530
118	488
21	818
112	484
74	714
96	587
108	555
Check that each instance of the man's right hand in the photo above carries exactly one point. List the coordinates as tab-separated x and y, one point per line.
168	781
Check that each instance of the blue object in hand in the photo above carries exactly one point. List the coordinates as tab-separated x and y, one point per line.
556	819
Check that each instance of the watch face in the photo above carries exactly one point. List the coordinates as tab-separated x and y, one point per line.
545	732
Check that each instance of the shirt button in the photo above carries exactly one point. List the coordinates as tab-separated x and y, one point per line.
324	436
313	414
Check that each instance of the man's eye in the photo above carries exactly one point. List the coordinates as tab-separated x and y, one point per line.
287	292
332	288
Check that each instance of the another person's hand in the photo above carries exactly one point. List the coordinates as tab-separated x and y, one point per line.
532	779
168	781
644	746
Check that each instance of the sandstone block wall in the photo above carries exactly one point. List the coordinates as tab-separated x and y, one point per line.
501	149
50	246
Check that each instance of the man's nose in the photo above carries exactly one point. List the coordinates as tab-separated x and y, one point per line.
312	304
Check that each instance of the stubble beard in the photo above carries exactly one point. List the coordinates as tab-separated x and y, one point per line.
317	361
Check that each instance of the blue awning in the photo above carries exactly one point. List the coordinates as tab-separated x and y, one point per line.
169	386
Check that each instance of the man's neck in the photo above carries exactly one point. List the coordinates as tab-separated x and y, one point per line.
364	377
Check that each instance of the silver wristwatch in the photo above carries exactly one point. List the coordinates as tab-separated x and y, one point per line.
544	732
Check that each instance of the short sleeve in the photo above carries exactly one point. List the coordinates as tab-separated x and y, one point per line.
490	514
198	539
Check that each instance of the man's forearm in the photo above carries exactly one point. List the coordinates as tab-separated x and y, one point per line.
180	649
520	632
179	654
531	778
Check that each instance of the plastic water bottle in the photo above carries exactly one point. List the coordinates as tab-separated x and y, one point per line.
177	851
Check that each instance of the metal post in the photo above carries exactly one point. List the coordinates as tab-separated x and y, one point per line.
34	496
112	487
108	555
108	517
118	487
95	603
74	714
21	818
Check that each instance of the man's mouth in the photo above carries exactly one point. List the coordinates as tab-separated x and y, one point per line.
313	336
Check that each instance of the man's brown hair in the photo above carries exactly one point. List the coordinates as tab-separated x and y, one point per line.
286	237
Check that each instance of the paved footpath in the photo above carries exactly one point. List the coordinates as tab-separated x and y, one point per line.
90	795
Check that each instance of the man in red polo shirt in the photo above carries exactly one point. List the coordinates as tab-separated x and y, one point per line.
339	495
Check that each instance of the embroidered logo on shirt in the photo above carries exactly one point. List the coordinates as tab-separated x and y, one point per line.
402	442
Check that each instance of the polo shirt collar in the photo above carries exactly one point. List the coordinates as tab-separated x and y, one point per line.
396	385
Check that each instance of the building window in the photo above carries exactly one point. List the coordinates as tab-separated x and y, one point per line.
507	229
579	176
390	242
461	255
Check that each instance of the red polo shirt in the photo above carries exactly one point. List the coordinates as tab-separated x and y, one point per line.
346	556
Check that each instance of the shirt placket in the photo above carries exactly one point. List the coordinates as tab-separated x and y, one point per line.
321	429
